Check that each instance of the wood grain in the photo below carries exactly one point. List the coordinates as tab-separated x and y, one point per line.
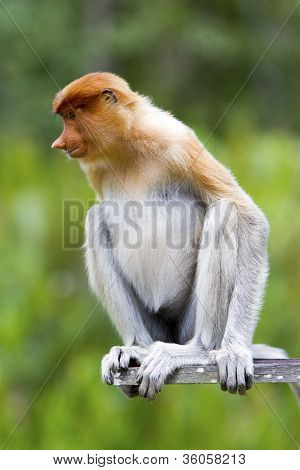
265	370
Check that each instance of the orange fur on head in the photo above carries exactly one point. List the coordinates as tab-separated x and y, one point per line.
90	86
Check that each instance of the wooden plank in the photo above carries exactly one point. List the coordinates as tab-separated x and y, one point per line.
265	370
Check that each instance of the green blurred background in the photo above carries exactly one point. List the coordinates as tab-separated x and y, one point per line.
192	58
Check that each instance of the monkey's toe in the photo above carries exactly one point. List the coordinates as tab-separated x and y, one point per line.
150	387
152	375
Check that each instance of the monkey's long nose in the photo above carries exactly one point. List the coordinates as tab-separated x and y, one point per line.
59	144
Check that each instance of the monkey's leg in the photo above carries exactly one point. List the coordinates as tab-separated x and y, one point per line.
117	296
249	255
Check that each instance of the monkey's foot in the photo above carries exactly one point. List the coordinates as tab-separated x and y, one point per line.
235	369
162	360
155	369
120	358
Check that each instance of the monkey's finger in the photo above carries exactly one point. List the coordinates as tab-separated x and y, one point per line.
124	360
144	378
223	374
147	364
151	392
241	380
249	372
115	354
155	386
150	376
159	383
107	378
232	375
249	381
156	380
106	372
140	373
148	360
143	388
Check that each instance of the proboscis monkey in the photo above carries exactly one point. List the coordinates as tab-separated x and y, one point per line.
176	250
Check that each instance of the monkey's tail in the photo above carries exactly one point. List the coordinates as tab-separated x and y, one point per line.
262	351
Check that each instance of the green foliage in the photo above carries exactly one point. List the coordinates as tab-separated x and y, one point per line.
192	58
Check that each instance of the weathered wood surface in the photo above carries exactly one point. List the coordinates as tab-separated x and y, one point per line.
265	370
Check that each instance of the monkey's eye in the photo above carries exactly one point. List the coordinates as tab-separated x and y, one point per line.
71	115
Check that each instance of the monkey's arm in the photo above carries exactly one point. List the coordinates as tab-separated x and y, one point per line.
235	356
115	294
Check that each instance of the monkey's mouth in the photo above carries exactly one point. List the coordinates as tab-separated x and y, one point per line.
73	153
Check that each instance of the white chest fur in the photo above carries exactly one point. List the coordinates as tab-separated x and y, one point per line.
154	241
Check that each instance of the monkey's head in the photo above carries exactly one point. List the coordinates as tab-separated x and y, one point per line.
96	111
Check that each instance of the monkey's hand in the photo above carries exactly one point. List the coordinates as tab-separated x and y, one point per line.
235	365
162	360
120	358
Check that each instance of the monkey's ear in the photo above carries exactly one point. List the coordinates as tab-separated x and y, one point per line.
109	96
